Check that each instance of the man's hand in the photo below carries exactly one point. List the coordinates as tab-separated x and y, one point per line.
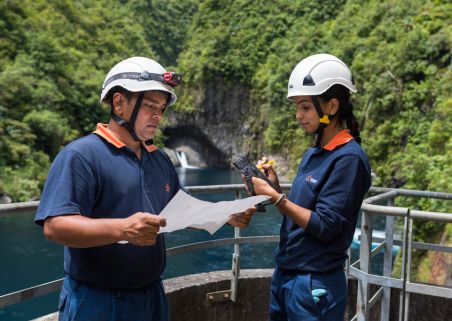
141	228
242	220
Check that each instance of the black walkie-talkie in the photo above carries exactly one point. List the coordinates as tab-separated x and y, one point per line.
243	164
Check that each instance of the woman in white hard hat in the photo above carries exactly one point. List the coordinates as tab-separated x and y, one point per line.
320	214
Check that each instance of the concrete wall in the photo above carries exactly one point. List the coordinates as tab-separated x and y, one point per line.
188	302
422	307
187	298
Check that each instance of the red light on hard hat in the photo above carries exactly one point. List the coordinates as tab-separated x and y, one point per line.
172	78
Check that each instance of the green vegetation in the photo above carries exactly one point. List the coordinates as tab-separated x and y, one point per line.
53	59
54	55
399	52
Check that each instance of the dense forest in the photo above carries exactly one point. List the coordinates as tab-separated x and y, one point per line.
54	55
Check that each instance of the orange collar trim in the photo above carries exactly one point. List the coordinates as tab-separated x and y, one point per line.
103	131
341	138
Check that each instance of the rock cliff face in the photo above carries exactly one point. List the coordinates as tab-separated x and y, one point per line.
216	131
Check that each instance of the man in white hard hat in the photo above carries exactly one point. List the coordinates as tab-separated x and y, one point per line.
109	187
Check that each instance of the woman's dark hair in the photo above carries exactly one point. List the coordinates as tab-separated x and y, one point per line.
346	116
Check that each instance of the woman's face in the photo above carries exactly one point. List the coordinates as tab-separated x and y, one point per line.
306	113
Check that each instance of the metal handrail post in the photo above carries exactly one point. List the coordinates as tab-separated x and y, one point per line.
235	260
408	267
362	308
403	272
387	263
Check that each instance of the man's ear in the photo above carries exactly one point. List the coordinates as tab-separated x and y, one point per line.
118	101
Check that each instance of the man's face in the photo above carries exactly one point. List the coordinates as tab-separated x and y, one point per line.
150	114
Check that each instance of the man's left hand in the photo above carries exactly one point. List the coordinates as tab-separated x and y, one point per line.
242	220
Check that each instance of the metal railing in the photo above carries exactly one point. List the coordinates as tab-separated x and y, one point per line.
230	294
360	269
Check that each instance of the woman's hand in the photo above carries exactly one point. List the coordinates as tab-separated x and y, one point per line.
242	220
267	167
261	187
270	172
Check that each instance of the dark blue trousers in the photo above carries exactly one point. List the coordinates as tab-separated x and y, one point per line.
82	302
291	298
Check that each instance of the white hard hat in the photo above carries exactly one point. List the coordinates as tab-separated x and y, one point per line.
140	74
315	74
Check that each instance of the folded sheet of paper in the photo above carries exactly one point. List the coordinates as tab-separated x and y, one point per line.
186	211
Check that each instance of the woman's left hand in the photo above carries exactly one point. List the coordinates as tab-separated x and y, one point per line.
261	187
242	220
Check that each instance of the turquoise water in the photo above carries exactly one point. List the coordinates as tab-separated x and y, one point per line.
28	259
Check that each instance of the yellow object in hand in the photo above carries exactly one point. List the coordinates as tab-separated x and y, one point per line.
265	160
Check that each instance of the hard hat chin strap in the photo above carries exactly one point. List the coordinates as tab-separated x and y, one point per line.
130	124
324	119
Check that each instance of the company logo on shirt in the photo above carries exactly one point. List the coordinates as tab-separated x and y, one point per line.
311	179
167	187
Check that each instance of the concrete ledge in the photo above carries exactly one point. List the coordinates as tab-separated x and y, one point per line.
201	279
187	296
187	299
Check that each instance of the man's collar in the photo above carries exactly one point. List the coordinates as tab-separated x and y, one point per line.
341	138
103	131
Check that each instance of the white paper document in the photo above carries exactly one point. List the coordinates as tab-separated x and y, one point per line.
186	211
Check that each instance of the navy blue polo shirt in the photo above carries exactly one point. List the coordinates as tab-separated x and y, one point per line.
97	176
331	182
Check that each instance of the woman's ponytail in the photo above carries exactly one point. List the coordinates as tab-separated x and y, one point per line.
349	118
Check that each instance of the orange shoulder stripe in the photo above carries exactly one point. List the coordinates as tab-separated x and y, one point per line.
103	131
